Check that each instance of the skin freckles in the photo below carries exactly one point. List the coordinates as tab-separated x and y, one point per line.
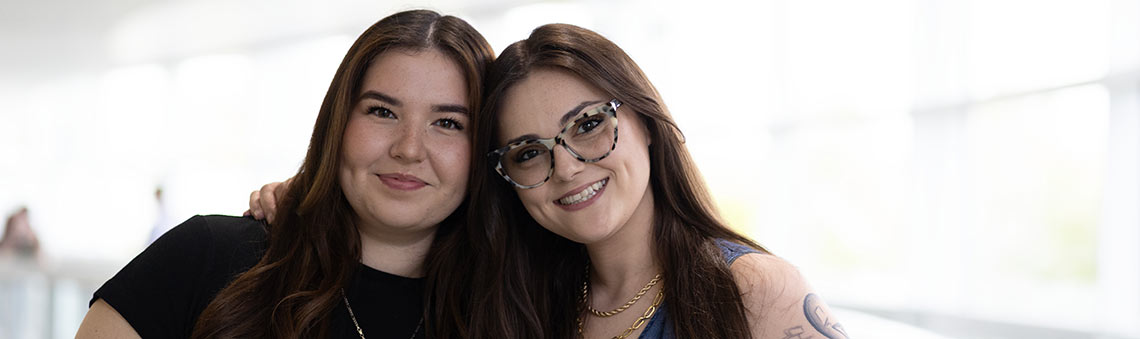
405	157
614	222
773	291
535	106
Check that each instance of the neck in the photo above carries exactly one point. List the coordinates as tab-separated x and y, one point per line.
627	259
401	254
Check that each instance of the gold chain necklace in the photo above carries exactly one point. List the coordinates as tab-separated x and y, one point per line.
360	331
586	297
636	323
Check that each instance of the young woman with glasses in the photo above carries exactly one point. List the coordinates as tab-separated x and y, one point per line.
366	241
610	221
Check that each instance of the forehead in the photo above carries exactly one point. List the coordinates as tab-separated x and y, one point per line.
426	76
535	104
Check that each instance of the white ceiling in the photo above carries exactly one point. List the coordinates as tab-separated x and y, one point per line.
42	39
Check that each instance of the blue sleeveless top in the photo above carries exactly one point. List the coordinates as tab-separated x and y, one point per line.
659	326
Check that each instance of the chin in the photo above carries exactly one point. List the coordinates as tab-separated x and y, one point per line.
591	235
404	222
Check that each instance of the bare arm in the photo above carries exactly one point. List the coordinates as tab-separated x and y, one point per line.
103	321
780	303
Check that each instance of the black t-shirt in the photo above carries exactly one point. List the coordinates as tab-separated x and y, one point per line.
162	291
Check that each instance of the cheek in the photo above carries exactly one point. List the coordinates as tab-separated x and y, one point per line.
633	133
452	156
358	146
632	156
633	145
533	200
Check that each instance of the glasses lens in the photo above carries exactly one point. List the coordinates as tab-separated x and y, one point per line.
592	137
527	164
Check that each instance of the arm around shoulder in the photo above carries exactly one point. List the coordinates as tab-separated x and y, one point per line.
103	321
779	301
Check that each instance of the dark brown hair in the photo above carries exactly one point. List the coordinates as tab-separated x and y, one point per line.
314	248
703	299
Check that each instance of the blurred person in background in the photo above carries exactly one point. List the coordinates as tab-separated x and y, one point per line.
162	222
19	238
365	228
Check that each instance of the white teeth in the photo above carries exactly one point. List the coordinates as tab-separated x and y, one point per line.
584	195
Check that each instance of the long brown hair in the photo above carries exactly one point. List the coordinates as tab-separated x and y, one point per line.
314	247
703	299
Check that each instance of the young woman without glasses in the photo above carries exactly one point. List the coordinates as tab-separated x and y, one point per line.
367	230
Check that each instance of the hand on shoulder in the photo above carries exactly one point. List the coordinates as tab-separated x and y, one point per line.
779	301
263	202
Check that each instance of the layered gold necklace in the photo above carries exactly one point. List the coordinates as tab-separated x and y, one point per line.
636	323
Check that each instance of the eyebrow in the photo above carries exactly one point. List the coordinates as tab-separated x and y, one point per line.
381	97
562	121
450	108
574	111
522	137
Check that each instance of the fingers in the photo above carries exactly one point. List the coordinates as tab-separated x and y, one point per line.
268	203
263	202
255	206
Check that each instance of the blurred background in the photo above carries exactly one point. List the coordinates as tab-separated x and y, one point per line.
936	168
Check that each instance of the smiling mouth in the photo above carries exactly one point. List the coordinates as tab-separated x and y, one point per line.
585	194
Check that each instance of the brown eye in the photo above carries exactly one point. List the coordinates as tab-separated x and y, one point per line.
382	112
525	154
449	124
587	125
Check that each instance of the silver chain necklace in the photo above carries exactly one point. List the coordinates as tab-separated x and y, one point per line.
357	324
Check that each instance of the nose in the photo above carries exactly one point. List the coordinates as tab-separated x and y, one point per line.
408	145
566	166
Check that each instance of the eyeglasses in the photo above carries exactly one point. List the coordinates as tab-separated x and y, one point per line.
529	163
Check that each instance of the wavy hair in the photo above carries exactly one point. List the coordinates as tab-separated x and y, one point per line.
541	271
314	248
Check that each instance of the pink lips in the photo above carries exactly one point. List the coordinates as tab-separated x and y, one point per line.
403	182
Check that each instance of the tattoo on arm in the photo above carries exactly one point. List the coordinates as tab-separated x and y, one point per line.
821	319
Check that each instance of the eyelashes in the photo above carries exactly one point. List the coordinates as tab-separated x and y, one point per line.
386	113
449	123
381	111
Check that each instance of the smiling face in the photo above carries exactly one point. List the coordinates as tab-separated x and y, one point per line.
405	149
583	202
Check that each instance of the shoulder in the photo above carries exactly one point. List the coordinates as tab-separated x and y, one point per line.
767	279
218	246
203	235
209	240
161	291
226	231
206	239
779	301
219	227
211	228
